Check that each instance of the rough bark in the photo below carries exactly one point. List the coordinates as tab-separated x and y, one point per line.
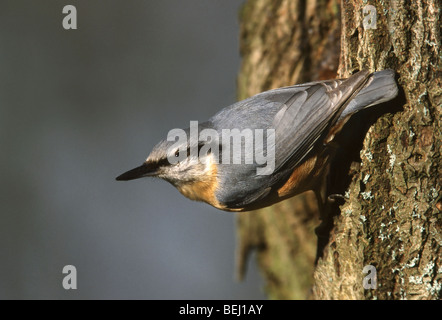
282	43
391	217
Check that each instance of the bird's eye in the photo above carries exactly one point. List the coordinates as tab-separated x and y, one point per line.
177	153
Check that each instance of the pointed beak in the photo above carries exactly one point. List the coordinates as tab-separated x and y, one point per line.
145	170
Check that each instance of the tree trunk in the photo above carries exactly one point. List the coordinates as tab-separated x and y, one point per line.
391	217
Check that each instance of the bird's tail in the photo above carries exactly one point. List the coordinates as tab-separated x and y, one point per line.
380	87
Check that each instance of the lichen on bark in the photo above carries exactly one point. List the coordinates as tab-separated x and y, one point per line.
392	205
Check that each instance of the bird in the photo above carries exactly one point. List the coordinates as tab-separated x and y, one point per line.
300	123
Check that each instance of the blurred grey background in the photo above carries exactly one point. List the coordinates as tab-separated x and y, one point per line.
79	107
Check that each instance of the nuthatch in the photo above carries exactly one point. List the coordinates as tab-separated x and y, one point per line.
304	118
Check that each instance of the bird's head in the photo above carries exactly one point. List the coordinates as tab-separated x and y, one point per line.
176	162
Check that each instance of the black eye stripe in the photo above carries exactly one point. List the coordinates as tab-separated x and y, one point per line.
177	152
200	145
163	162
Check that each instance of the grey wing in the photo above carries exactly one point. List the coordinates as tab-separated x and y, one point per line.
308	114
299	114
381	87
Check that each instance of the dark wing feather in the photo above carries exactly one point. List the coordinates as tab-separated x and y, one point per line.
304	119
301	115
